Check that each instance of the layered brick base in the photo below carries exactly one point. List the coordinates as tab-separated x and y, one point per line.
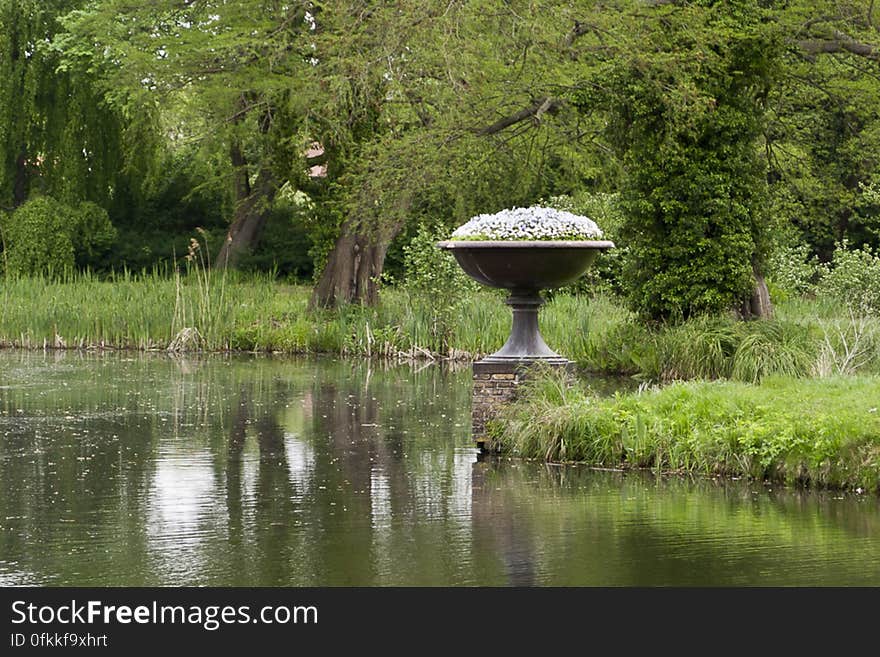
495	385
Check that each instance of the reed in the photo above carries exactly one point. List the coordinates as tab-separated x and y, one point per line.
203	309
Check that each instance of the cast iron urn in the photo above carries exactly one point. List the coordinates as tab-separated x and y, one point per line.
524	268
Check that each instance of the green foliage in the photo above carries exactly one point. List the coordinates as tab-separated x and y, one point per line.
57	135
44	236
685	113
91	233
438	280
853	278
38	238
666	119
823	132
791	269
821	433
871	195
284	246
604	277
155	224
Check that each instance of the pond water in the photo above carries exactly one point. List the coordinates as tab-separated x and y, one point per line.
151	470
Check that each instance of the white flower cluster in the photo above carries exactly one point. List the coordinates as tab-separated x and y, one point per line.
534	223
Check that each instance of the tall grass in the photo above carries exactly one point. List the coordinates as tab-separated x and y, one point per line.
817	432
205	309
724	348
145	311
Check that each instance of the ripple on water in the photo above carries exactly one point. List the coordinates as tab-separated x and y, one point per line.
142	471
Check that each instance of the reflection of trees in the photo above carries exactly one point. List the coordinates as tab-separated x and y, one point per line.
498	531
306	474
345	421
582	527
376	447
234	490
260	512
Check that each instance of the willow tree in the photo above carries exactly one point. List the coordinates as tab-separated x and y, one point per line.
228	76
56	132
437	111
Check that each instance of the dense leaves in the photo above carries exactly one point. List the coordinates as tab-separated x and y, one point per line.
737	139
685	115
57	134
45	236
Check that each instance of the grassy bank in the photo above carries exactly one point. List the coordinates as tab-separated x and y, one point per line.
257	314
817	432
218	312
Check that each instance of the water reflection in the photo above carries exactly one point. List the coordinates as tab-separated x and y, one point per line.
570	526
121	470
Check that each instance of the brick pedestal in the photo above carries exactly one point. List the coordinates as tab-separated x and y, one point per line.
495	385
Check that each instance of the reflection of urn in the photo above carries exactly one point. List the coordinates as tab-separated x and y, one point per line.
525	268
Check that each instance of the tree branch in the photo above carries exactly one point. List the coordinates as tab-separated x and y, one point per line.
534	112
579	30
839	43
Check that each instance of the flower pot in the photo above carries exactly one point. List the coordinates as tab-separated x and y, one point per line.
525	268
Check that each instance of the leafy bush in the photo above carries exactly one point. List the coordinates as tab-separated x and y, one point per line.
92	234
853	278
870	193
434	273
45	236
37	238
791	269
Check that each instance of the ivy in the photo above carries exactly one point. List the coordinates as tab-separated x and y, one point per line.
684	117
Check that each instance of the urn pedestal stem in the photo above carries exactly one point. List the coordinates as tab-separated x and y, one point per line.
525	344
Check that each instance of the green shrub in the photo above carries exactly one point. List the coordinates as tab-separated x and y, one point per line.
853	278
92	234
791	269
45	236
437	278
605	275
38	238
773	348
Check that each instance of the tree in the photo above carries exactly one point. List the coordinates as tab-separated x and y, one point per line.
431	125
703	102
56	133
684	106
227	75
823	134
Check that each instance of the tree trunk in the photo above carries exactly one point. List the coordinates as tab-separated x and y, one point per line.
354	266
20	184
252	207
758	305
